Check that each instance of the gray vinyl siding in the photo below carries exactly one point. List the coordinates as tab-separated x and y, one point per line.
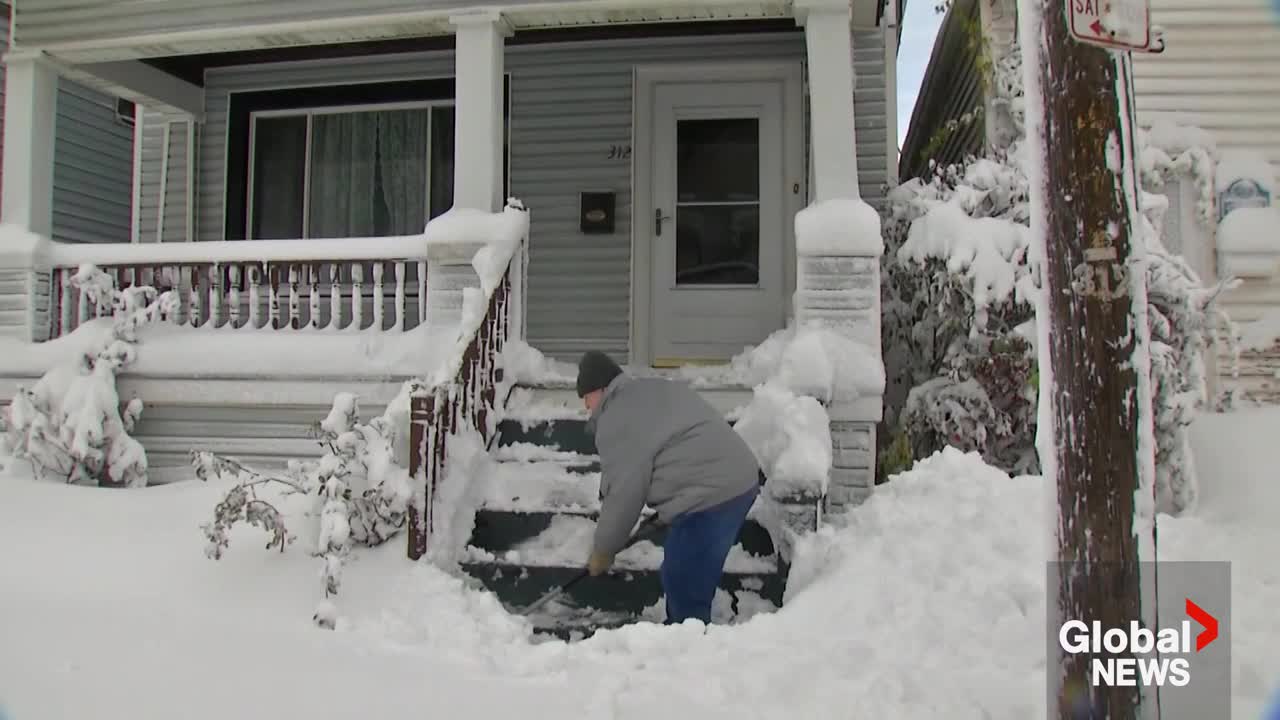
93	168
93	163
154	152
569	103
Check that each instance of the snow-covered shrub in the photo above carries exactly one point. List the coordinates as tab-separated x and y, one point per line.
70	423
359	493
959	321
956	311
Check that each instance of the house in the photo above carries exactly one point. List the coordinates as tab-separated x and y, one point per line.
1212	83
92	197
291	153
1215	71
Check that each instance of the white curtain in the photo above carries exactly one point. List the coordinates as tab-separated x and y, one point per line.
402	165
343	166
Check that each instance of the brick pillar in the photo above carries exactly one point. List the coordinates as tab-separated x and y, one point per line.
843	294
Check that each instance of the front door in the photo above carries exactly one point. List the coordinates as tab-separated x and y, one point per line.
719	219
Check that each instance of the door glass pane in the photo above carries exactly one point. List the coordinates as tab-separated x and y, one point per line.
718	160
718	244
717	218
279	166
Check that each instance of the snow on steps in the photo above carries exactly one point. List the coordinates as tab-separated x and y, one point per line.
536	519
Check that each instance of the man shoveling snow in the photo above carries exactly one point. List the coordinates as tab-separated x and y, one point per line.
662	444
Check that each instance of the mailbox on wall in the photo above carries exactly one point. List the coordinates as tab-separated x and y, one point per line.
596	212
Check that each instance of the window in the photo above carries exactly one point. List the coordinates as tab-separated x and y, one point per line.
349	171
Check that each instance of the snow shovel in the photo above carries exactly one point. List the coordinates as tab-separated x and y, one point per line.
642	532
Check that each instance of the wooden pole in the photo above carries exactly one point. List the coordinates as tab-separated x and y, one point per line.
1102	454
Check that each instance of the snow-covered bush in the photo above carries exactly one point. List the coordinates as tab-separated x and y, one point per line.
358	492
959	321
70	424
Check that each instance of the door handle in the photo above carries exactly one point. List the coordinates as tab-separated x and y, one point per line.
658	217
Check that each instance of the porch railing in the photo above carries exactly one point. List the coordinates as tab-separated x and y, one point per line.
355	284
462	396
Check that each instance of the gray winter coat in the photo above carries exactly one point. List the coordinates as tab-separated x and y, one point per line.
663	445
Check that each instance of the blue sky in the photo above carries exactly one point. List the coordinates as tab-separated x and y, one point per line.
919	28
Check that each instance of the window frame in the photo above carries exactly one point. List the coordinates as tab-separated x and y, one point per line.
309	113
233	194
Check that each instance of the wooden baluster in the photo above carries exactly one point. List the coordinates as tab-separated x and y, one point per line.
67	295
255	297
312	273
422	292
400	296
357	297
196	311
216	290
233	295
313	278
273	295
294	321
335	296
379	313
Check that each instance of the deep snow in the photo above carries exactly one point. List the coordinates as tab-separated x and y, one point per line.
930	603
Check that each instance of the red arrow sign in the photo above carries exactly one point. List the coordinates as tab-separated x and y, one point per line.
1097	28
1209	622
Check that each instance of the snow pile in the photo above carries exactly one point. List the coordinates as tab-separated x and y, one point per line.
795	373
987	250
525	364
812	359
929	600
791	438
457	495
185	352
1237	165
497	235
839	227
69	423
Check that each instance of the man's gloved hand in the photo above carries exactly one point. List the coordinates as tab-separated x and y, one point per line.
599	563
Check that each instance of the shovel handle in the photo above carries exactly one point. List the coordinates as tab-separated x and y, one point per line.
641	532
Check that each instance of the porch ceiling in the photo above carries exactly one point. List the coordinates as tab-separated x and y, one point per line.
427	19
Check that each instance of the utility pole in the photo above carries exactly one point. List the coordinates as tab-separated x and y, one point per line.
1100	443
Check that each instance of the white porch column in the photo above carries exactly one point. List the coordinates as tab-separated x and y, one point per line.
829	43
478	73
31	90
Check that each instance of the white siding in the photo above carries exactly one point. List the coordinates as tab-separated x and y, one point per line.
1220	71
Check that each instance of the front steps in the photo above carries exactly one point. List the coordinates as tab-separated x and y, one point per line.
534	527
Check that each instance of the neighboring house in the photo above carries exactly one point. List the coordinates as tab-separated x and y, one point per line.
663	150
93	161
1219	71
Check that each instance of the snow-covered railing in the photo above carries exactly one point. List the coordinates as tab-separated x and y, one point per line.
348	284
459	398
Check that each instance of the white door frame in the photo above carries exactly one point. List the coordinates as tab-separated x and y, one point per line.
645	79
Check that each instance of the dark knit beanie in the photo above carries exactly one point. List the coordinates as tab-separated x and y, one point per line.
595	371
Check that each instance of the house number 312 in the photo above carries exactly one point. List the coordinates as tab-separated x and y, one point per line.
619	152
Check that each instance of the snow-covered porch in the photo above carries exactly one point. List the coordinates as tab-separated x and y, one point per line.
321	315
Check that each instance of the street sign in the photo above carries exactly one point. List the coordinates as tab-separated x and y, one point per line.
1120	24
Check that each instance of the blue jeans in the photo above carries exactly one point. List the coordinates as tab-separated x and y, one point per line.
694	554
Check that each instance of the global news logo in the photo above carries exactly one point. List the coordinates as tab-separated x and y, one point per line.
1129	661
